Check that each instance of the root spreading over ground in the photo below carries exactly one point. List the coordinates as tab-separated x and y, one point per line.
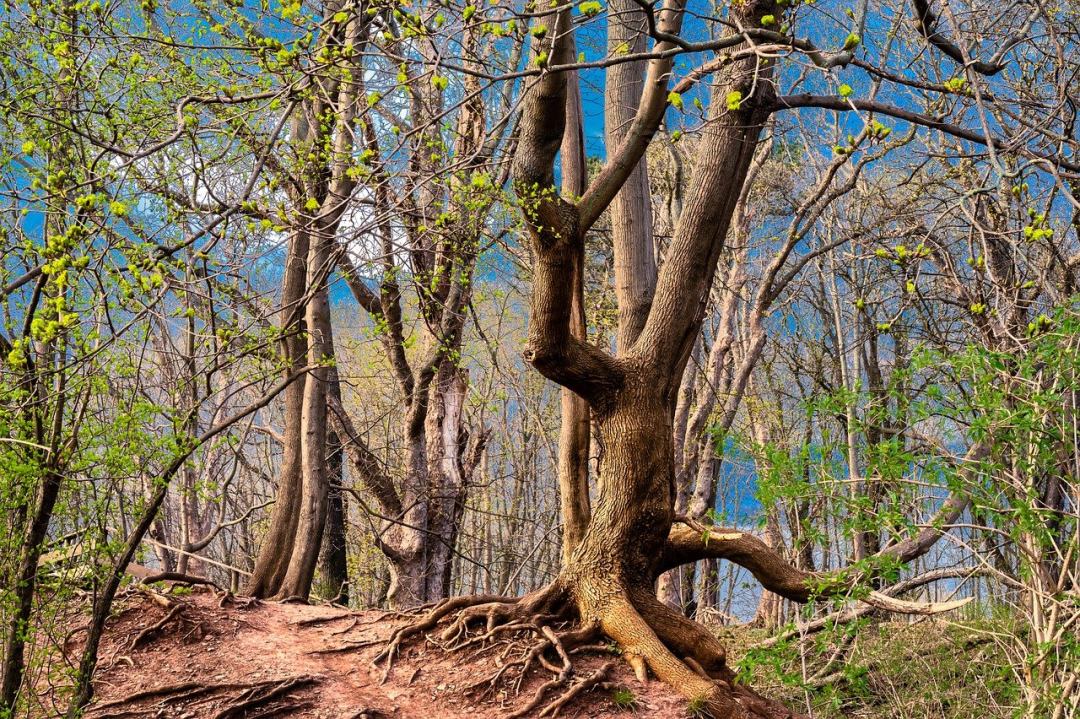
203	655
542	631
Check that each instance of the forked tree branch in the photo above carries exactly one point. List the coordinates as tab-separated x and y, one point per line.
650	113
554	230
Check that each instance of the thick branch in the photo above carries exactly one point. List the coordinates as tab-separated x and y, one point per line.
736	118
650	112
554	232
689	541
366	464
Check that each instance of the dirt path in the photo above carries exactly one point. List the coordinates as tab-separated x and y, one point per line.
270	659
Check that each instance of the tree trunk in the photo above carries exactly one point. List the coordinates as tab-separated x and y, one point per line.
611	574
23	593
334	557
574	433
313	426
631	210
447	475
276	548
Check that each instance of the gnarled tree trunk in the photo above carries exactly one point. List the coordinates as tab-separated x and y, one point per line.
611	574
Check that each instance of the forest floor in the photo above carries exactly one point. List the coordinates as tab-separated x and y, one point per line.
199	654
196	654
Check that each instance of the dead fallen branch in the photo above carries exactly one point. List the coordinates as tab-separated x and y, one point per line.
178	578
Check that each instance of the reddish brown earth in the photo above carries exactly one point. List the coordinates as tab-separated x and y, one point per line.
224	660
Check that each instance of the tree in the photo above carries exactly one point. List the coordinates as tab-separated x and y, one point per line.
373	206
633	533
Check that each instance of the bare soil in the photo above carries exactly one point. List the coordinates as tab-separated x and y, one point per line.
221	659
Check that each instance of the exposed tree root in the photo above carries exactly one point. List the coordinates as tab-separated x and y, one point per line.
428	622
146	634
258	696
347	646
543	630
270	696
354	616
288	709
228	597
164	691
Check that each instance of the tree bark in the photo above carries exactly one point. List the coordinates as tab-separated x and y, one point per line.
334	557
574	433
276	549
314	484
631	209
447	473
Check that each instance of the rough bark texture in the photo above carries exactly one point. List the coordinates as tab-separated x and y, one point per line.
333	558
611	574
574	433
273	558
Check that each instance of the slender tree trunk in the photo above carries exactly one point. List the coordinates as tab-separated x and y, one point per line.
313	425
574	434
631	209
769	613
276	548
334	557
673	587
25	582
446	451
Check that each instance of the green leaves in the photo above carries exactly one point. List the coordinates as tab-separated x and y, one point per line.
675	100
591	8
734	100
956	84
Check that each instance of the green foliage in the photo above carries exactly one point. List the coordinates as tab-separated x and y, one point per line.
624	699
895	669
698	707
590	8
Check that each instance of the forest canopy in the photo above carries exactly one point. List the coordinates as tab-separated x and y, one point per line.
614	326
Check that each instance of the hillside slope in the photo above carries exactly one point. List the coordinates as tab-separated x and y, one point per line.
203	655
